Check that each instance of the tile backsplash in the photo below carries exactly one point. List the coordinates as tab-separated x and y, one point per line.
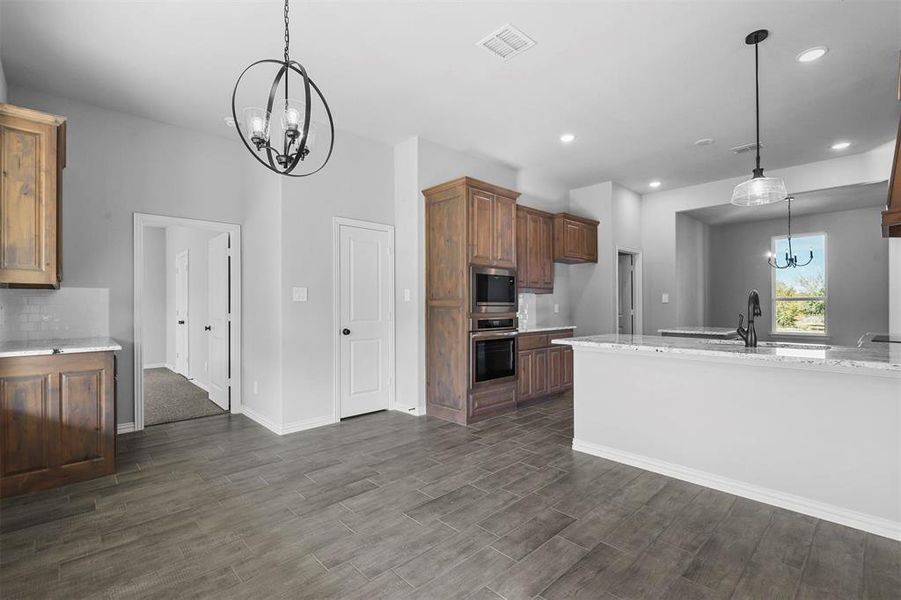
66	313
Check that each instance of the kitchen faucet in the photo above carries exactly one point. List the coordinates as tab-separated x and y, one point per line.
749	334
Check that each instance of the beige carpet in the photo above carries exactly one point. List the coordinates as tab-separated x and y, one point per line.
170	397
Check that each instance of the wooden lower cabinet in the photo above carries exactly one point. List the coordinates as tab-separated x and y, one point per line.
57	420
544	369
491	401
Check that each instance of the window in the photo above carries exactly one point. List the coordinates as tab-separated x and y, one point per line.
799	294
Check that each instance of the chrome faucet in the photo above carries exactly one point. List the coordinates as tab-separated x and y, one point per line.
749	334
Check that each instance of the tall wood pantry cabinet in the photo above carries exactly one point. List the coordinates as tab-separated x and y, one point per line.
32	157
467	222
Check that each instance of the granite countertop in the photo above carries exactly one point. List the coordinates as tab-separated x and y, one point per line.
713	332
868	355
548	328
45	347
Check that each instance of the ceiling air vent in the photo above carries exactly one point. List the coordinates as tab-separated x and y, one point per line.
506	42
745	148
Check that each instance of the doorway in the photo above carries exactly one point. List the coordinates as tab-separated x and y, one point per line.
186	319
364	317
628	292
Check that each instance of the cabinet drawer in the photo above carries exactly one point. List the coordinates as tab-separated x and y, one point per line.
493	399
559	335
530	342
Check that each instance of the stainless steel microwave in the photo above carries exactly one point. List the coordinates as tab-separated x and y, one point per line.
493	290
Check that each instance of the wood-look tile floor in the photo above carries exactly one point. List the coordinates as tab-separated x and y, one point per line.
394	506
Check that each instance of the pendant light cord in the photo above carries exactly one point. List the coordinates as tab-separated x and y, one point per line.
757	172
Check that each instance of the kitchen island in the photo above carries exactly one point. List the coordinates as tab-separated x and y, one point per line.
811	428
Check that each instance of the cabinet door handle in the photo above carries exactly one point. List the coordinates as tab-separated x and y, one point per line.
345	331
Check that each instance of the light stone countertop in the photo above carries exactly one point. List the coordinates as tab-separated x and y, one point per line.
547	328
712	332
869	355
45	347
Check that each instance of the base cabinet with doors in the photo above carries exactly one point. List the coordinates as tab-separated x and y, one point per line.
32	157
575	239
534	250
57	420
545	368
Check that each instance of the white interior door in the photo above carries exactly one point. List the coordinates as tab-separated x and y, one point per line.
626	294
218	315
182	346
365	279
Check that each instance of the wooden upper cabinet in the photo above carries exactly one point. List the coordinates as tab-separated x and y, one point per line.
481	227
32	156
535	266
891	216
504	254
575	239
492	225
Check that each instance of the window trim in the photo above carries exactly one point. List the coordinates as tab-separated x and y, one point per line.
774	326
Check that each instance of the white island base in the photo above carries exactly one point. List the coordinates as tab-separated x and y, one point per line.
817	439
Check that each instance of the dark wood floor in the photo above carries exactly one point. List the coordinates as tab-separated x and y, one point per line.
394	506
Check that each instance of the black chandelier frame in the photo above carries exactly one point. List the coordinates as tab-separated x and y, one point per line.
284	161
791	259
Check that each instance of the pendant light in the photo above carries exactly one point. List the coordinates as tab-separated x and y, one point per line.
284	134
791	259
759	189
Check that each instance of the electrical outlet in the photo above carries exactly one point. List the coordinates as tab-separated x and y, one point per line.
556	309
256	388
407	295
299	294
665	299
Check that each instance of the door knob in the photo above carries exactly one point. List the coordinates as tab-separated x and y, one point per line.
345	331
207	327
181	322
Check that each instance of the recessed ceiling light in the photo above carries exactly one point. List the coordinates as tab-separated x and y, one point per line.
567	138
812	54
704	142
654	184
840	145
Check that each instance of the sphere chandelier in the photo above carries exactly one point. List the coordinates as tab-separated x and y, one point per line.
283	135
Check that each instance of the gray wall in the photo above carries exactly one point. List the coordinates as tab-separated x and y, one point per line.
692	240
118	164
155	321
856	272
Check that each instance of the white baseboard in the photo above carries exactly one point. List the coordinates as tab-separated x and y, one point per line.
124	428
201	385
285	429
807	506
408	411
155	365
306	424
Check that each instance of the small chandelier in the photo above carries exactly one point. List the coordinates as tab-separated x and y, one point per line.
759	189
791	259
283	135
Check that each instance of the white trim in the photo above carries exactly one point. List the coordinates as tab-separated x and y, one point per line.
337	223
638	299
142	220
125	428
290	427
161	365
820	510
201	385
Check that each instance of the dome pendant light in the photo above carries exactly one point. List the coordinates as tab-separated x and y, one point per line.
759	189
284	134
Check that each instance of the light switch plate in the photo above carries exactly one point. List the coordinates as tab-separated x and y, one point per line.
556	309
665	299
299	294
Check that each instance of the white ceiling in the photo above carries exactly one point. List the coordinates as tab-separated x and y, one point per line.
848	197
637	82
